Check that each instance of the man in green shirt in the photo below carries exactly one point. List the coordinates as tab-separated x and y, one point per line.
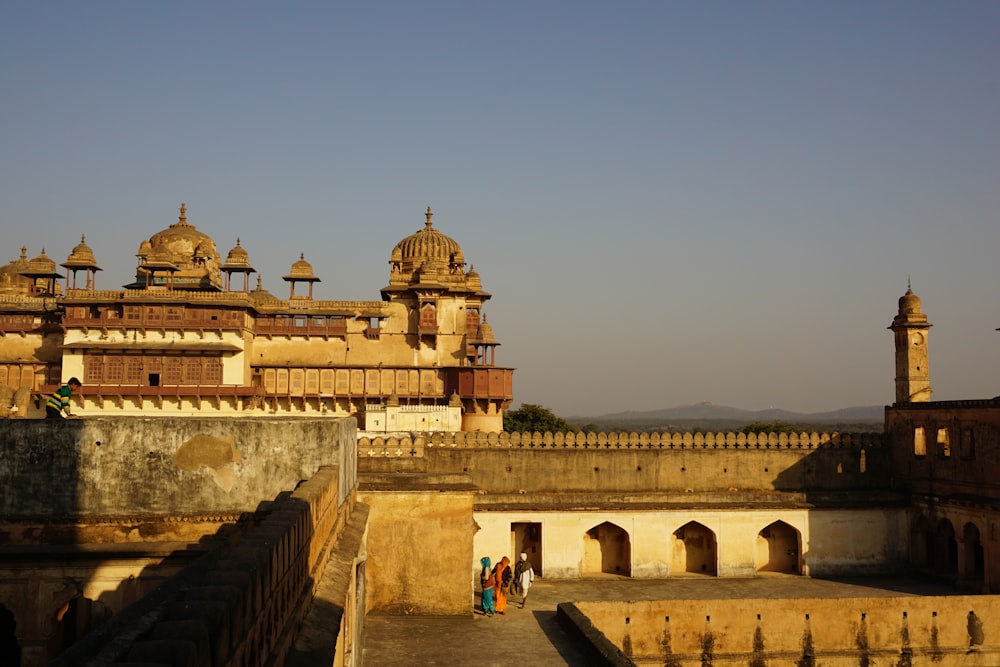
58	402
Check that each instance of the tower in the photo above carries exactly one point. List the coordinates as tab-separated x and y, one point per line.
910	327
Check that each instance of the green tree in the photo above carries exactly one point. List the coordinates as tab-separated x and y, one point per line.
533	418
769	427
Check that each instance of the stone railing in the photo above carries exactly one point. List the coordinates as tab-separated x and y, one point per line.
414	445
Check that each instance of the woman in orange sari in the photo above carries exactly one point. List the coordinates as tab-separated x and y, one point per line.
502	574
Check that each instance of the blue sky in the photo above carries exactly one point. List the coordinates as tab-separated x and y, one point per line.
671	202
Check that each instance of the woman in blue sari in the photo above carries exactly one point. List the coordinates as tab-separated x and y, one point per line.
488	582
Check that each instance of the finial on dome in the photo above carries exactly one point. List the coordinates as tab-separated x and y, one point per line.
83	238
237	241
260	283
182	219
24	253
429	214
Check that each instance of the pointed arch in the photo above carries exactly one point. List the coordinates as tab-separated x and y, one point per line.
695	549
10	648
607	549
945	557
779	548
973	570
921	542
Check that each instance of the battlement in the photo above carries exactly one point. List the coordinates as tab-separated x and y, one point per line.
416	444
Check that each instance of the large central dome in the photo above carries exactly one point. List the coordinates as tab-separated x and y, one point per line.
184	242
427	244
189	256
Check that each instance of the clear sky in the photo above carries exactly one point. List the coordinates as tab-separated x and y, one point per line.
671	202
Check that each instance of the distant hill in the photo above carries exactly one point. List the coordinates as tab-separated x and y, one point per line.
709	416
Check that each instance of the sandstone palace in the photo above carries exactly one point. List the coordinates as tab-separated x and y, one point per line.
253	477
189	336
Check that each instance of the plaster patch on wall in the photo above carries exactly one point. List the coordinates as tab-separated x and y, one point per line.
218	454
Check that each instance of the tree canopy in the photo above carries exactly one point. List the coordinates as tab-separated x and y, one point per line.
533	418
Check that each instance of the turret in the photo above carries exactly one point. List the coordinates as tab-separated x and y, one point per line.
910	328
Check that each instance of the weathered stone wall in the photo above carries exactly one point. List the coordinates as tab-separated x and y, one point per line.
419	527
539	463
834	632
176	466
242	603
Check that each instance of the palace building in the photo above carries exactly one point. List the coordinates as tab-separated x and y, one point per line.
191	336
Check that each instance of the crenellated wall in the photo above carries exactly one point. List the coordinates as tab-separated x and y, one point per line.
520	463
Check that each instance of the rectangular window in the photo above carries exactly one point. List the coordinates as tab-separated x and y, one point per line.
133	313
172	371
919	442
213	371
174	314
93	370
133	370
968	444
113	371
192	371
944	445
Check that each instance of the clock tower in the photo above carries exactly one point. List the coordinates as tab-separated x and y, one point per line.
910	328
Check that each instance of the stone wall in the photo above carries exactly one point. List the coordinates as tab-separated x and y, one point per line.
241	604
539	463
176	466
834	632
420	527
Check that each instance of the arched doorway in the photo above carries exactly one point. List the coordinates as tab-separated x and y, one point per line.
945	557
974	568
779	549
921	543
607	550
10	649
526	538
695	549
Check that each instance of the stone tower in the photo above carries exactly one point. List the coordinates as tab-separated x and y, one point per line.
910	327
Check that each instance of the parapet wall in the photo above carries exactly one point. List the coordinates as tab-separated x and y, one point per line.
528	463
834	632
242	604
95	467
388	446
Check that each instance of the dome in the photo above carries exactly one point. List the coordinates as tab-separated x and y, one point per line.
261	294
486	332
428	243
82	257
301	270
189	255
473	280
185	243
11	279
42	266
238	258
909	303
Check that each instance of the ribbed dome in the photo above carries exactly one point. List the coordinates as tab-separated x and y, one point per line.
428	243
238	257
41	265
11	279
486	332
82	257
301	270
184	242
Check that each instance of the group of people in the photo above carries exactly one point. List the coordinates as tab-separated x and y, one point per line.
501	580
